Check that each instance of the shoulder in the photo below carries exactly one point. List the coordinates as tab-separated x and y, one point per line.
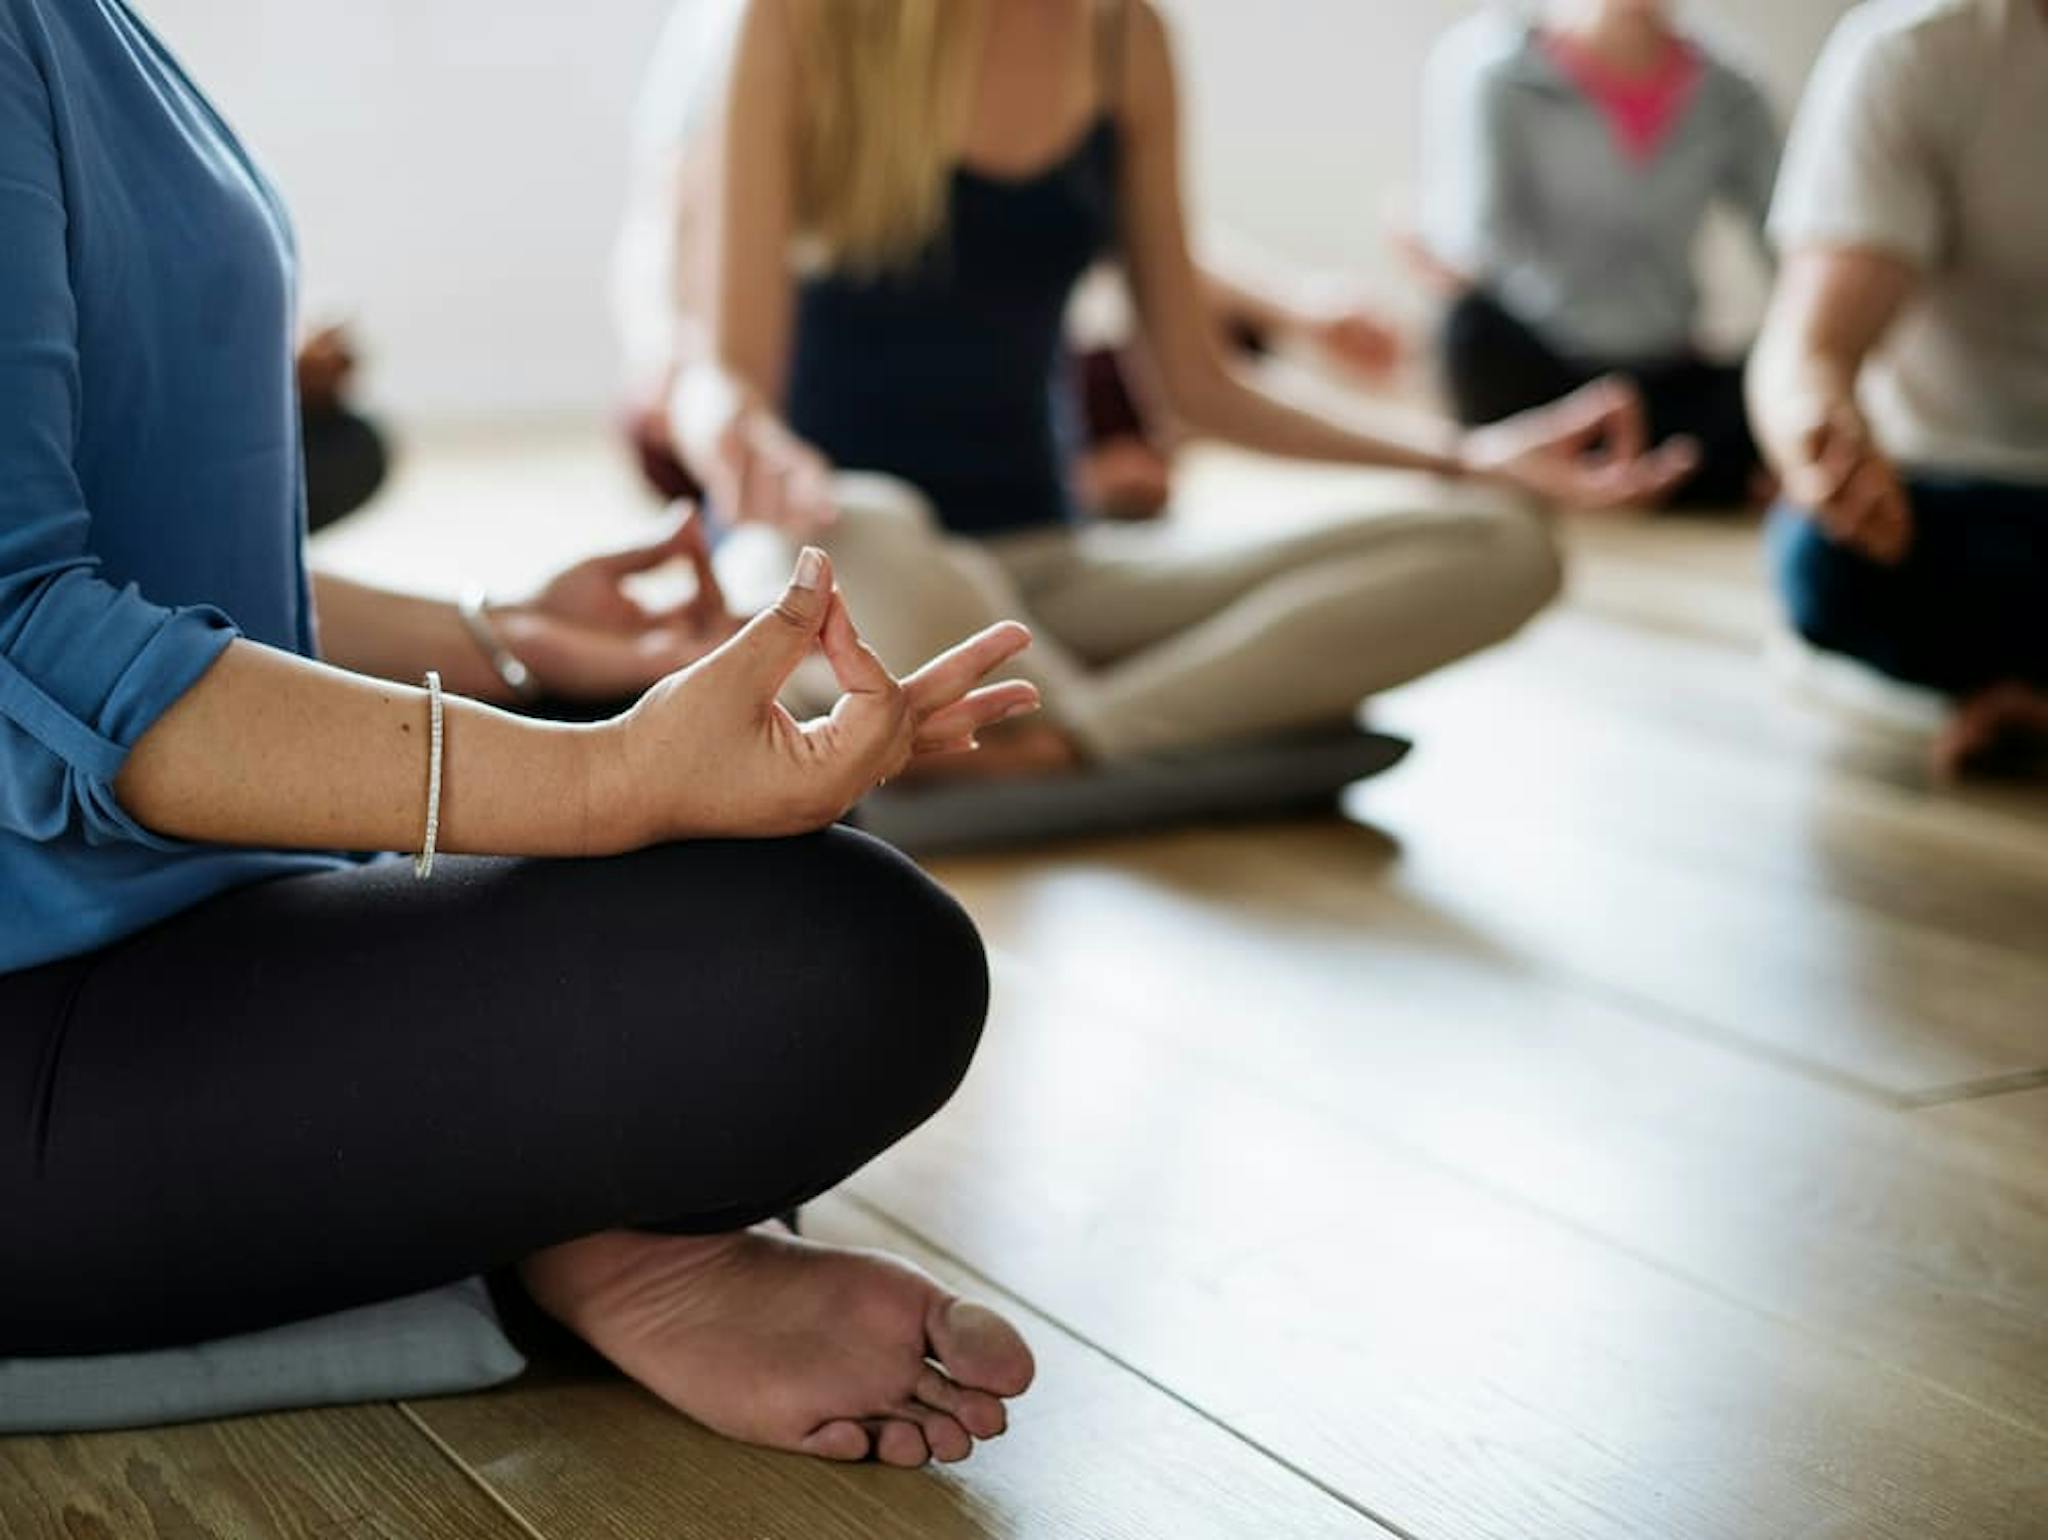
1908	63
1150	74
1147	35
21	24
1733	76
1915	39
1484	55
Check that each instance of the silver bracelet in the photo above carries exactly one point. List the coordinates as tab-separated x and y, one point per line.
474	609
423	863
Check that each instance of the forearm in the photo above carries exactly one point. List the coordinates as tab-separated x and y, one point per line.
273	750
1227	407
399	637
1795	381
1830	310
1234	296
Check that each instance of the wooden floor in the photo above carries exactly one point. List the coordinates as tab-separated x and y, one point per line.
1630	1122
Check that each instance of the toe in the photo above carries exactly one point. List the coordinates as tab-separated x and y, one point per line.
978	1348
901	1443
980	1413
838	1441
947	1440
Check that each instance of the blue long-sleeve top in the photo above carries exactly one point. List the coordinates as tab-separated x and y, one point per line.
150	476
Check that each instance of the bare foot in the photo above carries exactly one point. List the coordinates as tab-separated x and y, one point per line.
1990	725
784	1342
1007	752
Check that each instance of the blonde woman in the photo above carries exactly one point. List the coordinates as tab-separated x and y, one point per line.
910	190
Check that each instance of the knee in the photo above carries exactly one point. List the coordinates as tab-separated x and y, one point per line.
908	979
874	508
1527	565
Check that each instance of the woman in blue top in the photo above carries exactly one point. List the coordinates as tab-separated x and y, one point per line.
912	189
244	1079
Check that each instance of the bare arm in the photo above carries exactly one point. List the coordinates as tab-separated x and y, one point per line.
395	636
1199	385
755	189
272	750
1587	448
1244	285
727	406
1830	309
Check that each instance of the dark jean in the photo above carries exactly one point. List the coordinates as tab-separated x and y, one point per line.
1967	608
1495	366
339	1088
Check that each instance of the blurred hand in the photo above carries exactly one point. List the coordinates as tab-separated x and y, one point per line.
1587	450
765	473
1125	480
1357	339
1850	487
585	638
327	361
710	751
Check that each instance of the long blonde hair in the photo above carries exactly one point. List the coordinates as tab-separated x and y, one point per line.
886	86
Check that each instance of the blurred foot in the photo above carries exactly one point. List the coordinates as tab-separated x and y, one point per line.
2004	728
847	1355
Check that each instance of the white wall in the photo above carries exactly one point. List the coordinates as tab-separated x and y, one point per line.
456	165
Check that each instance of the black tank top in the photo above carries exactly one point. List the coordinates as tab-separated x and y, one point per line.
952	374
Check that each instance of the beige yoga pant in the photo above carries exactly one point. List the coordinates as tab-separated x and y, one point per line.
1153	637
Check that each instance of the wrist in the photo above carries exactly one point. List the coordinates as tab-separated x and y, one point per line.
612	821
495	644
1467	458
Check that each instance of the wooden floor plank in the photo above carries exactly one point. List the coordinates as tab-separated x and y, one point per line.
1805	1201
1455	1363
1092	1450
1888	937
1520	1166
2007	1133
361	1472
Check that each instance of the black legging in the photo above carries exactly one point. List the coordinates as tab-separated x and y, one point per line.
1495	366
346	463
333	1089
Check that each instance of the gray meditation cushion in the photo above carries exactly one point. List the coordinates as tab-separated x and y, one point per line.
426	1345
1268	778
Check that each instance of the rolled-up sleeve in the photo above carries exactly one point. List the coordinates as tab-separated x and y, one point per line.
86	667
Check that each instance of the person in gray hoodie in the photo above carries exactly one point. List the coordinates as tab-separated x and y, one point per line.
1571	161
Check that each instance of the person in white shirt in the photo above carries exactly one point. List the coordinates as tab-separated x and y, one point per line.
1901	383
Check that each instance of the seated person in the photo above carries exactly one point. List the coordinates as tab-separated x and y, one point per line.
1571	163
901	230
1901	382
660	278
648	997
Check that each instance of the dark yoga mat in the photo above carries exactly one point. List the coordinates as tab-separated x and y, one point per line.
1267	779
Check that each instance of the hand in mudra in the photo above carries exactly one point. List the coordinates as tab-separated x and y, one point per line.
710	751
586	638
